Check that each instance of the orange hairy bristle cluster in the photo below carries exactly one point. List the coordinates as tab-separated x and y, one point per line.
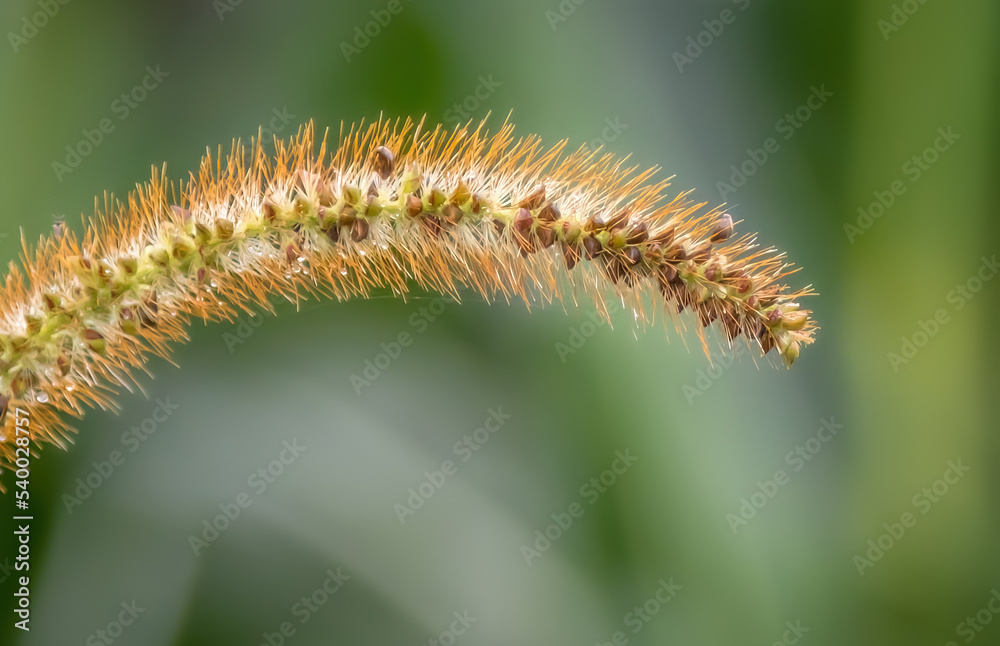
395	205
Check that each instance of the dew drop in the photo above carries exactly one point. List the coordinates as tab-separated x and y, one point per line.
43	397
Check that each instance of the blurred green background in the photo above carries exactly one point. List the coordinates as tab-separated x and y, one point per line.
704	444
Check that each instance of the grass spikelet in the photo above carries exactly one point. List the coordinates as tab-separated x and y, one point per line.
395	205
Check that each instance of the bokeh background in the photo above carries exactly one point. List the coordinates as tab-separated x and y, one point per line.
704	438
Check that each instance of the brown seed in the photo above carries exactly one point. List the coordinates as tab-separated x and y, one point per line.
360	230
385	162
766	342
733	274
477	204
666	289
270	212
150	309
452	213
670	274
591	247
333	233
722	229
534	199
633	255
638	234
682	296
619	220
546	237
62	363
571	254
414	205
654	253
593	223
701	254
549	213
707	314
372	190
665	237
499	225
522	230
615	269
731	327
433	225
523	221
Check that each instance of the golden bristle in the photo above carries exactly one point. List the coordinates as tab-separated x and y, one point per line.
396	205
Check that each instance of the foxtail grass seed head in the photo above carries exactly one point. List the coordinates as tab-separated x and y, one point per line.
394	205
